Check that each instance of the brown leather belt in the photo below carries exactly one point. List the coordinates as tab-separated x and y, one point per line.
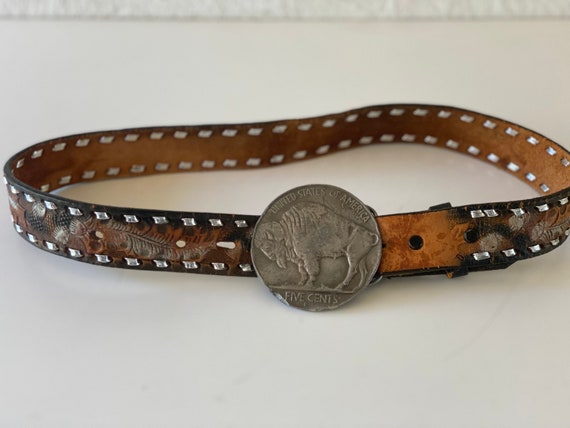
444	239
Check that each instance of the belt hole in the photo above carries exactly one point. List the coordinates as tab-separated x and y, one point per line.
226	244
416	242
471	235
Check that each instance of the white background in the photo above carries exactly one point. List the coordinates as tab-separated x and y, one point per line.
287	9
83	345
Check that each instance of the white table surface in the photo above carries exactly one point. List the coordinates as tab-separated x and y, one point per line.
81	345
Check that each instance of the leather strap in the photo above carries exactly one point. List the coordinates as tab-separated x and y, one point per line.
452	240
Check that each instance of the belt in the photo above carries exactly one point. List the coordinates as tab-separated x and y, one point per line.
315	246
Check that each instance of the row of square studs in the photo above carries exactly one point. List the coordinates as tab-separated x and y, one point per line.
127	218
511	252
129	261
514	211
255	131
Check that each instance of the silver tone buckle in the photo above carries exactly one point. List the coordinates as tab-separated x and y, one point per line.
316	247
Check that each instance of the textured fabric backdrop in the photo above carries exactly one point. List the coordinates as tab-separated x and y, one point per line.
288	9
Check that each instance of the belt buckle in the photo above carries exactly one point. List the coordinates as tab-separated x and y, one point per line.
316	246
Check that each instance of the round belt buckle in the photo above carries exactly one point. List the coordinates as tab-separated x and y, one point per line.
316	247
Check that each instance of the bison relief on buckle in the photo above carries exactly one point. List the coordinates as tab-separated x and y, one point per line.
316	246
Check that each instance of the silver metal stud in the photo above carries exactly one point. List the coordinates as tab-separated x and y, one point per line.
329	123
58	147
387	138
161	264
32	238
188	221
29	198
88	175
156	135
430	140
473	150
279	129
253	162
518	211
240	223
511	252
300	154
513	167
159	220
542	208
216	222
113	171
74	253
102	258
229	132
530	176
180	134
373	114
20	163
565	162
555	242
101	215
218	266
106	139
162	166
50	205
489	124
492	157
131	261
535	248
477	213
408	138
466	118
563	201
511	131
208	164
185	165
75	211
532	140
132	137
491	213
254	131
51	246
229	163
420	112
137	169
189	265
18	228
245	267
397	112
65	180
323	149
344	144
13	189
365	140
45	187
551	151
443	114
82	142
544	187
130	218
205	133
452	144
277	158
37	153
481	255
351	117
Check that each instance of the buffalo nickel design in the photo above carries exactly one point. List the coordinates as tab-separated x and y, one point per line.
316	246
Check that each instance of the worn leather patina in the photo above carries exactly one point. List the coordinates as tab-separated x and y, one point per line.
454	240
